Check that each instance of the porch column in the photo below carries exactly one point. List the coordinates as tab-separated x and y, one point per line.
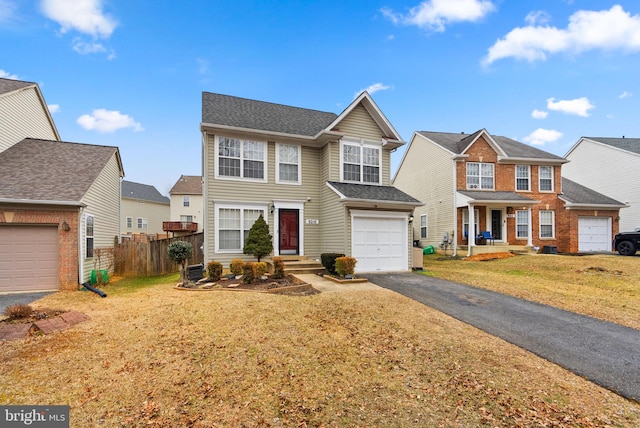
471	235
530	231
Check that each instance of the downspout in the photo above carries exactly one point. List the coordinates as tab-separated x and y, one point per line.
530	234
205	205
455	211
80	254
471	236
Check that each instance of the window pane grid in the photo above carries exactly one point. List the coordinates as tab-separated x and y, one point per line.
522	177
480	175
241	158
546	224
361	163
234	225
522	224
546	178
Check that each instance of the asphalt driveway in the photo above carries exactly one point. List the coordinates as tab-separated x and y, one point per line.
17	298
607	354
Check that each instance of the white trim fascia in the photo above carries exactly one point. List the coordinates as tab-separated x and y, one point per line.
42	202
335	190
494	145
319	139
535	161
578	206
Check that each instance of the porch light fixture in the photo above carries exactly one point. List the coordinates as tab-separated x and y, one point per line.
273	207
65	226
410	219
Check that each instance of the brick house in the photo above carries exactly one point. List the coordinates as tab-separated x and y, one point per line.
515	193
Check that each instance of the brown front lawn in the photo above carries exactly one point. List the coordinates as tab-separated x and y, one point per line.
154	356
602	286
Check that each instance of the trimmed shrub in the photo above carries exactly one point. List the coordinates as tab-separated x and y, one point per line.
18	311
214	270
259	242
247	272
278	267
345	266
236	266
179	252
259	269
328	260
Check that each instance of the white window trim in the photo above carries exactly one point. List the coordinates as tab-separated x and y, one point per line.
129	222
291	205
480	176
235	206
425	226
145	223
527	224
186	201
528	189
87	236
216	167
278	180
361	143
553	225
552	179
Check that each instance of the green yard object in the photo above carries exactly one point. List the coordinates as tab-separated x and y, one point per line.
428	250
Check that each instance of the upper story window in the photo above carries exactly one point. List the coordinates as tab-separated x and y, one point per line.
129	222
185	201
480	176
142	223
237	158
545	174
361	162
288	165
523	178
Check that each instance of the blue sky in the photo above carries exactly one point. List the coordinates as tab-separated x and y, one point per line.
131	73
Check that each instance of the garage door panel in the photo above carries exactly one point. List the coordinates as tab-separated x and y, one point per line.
29	258
594	234
379	243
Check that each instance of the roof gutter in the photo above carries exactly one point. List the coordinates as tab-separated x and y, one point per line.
320	138
506	159
42	202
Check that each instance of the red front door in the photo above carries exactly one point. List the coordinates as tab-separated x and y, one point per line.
289	231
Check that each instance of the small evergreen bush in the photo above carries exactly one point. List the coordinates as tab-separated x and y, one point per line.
236	266
214	270
259	242
278	268
345	266
248	272
328	260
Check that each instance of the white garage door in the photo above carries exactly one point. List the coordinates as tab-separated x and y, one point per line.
28	258
379	242
594	234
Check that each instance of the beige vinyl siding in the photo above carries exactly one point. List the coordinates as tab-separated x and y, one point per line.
610	171
359	123
103	203
259	193
22	115
334	223
154	212
427	174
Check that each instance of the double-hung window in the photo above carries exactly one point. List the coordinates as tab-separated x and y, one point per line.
480	176
186	201
423	226
237	158
233	226
522	224
465	223
547	224
523	178
361	162
186	218
288	165
142	223
129	222
545	177
88	234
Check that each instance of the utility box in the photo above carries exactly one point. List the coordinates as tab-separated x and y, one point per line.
417	258
195	272
549	249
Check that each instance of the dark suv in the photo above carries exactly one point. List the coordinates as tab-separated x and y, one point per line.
627	243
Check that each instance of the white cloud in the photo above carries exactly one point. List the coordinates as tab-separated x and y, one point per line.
6	75
434	15
539	114
84	48
373	89
102	120
537	17
625	94
578	106
84	16
53	108
7	9
541	136
587	30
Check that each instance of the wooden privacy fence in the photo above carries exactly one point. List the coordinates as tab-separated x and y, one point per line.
151	258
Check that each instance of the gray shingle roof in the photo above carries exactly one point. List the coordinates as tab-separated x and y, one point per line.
456	143
373	193
187	185
578	194
143	192
8	85
494	196
226	110
44	170
629	144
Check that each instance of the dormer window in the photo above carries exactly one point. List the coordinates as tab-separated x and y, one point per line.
480	176
361	161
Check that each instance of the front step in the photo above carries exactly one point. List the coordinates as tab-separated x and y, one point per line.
300	264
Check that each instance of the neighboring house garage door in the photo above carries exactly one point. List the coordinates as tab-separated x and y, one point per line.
28	258
594	234
379	241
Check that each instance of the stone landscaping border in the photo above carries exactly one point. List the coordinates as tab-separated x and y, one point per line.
12	331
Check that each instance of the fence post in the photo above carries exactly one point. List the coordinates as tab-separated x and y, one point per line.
148	248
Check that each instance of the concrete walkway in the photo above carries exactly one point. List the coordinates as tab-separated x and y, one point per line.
325	285
608	354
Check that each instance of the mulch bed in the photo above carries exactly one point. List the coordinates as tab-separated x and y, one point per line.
489	256
289	285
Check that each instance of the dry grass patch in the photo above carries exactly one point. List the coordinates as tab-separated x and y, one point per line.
601	286
159	357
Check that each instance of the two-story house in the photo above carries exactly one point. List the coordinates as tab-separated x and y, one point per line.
515	193
143	209
186	205
610	166
59	201
319	179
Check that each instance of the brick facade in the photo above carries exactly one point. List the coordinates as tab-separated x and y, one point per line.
68	240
